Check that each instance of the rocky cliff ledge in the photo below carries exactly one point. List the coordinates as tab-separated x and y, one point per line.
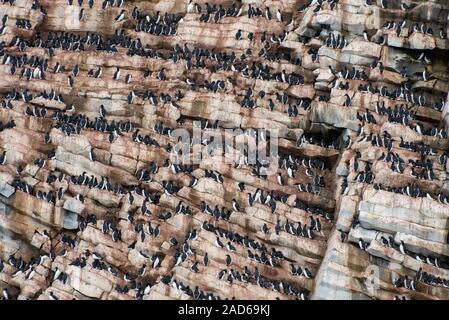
354	203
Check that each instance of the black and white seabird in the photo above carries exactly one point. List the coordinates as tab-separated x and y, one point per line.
190	7
81	15
402	247
218	243
91	155
52	296
228	260
5	294
280	179
116	75
235	205
425	75
120	17
362	245
3	158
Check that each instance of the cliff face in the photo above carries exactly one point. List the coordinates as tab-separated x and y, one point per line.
353	205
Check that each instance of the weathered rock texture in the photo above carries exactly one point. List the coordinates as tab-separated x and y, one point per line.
83	208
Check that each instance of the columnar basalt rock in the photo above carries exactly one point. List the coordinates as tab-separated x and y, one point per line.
101	99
